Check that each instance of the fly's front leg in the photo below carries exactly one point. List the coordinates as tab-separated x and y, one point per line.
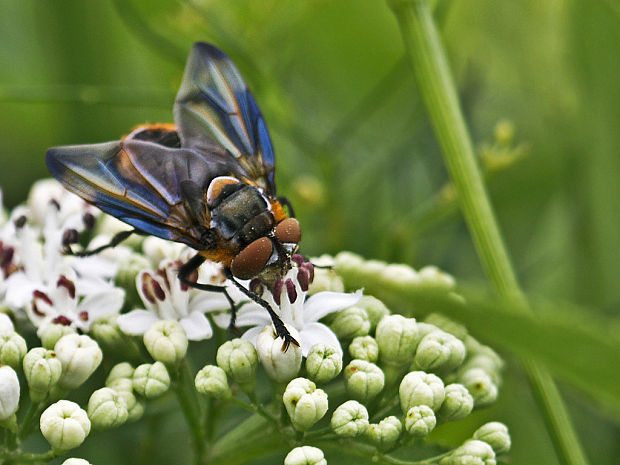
192	265
70	236
278	324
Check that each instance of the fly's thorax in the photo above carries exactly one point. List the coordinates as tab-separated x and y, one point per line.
239	212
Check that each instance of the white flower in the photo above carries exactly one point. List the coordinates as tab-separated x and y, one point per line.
166	298
60	303
297	311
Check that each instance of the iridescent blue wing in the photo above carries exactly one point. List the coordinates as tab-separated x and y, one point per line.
215	109
154	188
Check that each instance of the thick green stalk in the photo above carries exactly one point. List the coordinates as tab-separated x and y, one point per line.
439	95
190	405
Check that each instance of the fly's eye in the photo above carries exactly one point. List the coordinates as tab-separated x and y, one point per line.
288	230
216	186
251	260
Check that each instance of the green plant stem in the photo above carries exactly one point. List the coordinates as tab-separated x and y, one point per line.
370	453
191	407
440	99
35	458
29	417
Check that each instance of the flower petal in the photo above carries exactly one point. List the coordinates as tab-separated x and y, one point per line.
326	302
252	315
136	322
102	303
252	334
313	333
196	326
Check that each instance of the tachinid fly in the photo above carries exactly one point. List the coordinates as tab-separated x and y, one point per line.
206	181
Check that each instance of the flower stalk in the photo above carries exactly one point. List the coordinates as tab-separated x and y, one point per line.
439	95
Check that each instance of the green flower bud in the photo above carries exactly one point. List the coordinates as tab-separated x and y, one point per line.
126	276
305	455
400	274
431	277
439	351
425	328
363	380
480	386
350	322
151	380
481	356
397	338
239	360
420	388
50	334
281	366
120	370
166	341
80	356
75	461
64	425
304	403
350	419
458	403
471	453
324	363
136	411
496	435
107	409
385	433
9	392
212	381
420	421
106	332
12	349
446	324
364	348
325	279
375	309
42	369
121	384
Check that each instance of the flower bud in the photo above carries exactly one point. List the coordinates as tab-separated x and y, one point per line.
305	455
350	322
281	366
431	277
480	386
471	453
42	369
304	403
420	421
75	461
397	338
496	435
50	334
120	370
363	380
364	348
64	425
324	363
166	341
458	403
107	409
239	360
105	331
375	309
12	349
439	351
212	381
350	419
446	324
385	433
151	380
420	388
80	356
480	356
136	411
9	392
325	279
6	325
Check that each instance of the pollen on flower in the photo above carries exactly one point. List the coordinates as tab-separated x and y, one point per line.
67	284
62	320
43	296
83	316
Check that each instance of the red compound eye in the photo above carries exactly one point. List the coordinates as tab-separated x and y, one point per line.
251	260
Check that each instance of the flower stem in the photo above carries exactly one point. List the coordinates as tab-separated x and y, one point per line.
190	405
440	98
31	415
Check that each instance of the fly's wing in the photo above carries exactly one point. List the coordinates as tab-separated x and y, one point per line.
215	109
148	186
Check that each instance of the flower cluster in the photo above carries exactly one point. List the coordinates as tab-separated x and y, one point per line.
360	373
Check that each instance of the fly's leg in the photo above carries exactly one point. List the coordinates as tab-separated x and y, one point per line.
278	324
70	237
192	265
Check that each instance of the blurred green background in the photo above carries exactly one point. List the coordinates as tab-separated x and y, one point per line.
355	152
